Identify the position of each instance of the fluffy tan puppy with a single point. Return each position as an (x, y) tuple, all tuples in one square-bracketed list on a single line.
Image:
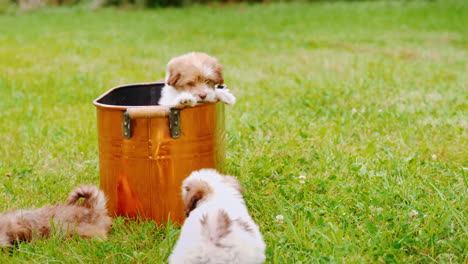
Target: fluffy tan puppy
[(193, 78), (84, 213)]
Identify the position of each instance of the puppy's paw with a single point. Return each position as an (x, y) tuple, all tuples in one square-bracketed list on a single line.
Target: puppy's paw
[(186, 99), (225, 96)]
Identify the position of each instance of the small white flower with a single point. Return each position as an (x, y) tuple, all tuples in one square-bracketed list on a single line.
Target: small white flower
[(380, 110), (279, 218), (302, 182), (377, 210), (363, 110), (353, 111), (302, 177), (434, 156), (413, 213)]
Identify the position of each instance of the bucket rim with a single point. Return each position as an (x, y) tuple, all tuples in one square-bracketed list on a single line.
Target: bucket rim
[(125, 107)]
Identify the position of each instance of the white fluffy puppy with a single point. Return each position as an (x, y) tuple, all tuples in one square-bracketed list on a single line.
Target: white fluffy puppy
[(218, 228), (193, 78)]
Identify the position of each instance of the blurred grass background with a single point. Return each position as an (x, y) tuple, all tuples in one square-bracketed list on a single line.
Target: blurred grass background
[(368, 100), (27, 5)]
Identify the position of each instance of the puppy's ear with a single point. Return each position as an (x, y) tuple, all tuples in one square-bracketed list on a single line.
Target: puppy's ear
[(196, 191), (173, 78), (192, 201), (233, 182), (218, 74)]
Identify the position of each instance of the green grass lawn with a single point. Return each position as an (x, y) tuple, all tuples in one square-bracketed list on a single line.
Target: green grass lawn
[(367, 100)]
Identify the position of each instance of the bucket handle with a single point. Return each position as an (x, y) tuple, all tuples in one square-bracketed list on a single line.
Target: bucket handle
[(151, 112), (148, 111)]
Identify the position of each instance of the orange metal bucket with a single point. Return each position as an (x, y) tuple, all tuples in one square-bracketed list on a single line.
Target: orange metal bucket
[(147, 150)]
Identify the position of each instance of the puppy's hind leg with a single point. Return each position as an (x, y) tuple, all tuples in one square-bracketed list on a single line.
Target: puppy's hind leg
[(91, 231)]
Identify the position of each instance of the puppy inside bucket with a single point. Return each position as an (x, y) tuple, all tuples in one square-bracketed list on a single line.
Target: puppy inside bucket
[(194, 77)]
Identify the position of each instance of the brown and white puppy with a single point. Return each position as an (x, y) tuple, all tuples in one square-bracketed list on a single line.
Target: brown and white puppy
[(84, 213), (193, 78), (218, 228)]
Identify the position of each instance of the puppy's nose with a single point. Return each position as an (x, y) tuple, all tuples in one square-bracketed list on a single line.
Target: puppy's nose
[(202, 96)]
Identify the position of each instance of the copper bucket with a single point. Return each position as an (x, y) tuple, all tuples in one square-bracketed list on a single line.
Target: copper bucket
[(146, 150)]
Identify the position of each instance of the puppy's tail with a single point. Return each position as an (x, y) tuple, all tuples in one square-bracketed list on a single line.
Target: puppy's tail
[(88, 196), (216, 226)]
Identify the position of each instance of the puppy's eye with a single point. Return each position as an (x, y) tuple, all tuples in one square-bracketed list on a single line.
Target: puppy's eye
[(210, 82), (191, 84)]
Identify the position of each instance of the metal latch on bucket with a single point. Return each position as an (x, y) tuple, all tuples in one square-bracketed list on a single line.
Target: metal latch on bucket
[(174, 122), (150, 112), (127, 125)]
